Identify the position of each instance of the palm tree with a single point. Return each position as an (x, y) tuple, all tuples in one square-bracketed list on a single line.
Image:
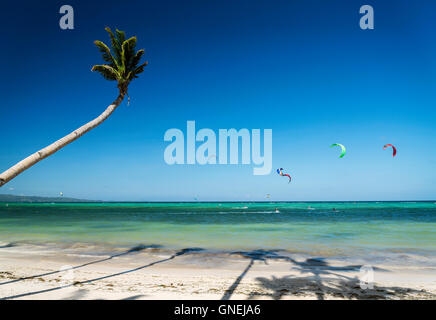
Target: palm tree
[(122, 66)]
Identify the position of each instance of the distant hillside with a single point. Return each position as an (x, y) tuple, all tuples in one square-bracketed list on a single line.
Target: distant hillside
[(28, 199)]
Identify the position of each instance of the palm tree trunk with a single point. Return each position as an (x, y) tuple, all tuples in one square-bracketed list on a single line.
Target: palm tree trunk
[(14, 171)]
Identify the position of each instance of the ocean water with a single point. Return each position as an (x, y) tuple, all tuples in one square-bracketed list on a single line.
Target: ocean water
[(327, 229)]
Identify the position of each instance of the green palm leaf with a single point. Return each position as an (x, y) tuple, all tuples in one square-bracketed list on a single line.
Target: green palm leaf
[(136, 58), (128, 52), (139, 69), (106, 71), (105, 52), (121, 35), (116, 46)]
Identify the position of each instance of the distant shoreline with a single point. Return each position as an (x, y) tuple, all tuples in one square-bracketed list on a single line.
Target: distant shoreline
[(8, 198)]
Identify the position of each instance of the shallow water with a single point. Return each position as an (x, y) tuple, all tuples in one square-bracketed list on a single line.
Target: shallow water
[(327, 229)]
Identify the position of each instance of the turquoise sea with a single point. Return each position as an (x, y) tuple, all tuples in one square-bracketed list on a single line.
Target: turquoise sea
[(328, 229)]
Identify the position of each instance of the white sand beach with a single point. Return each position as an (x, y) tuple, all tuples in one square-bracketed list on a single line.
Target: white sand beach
[(41, 272)]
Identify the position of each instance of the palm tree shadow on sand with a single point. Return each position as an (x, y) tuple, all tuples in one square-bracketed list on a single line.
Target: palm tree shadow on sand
[(177, 254), (343, 289), (137, 248), (255, 255), (322, 280)]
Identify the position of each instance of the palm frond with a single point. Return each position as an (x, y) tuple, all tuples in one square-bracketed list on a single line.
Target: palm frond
[(136, 59), (121, 35), (116, 45), (128, 52), (140, 69), (107, 72), (105, 52)]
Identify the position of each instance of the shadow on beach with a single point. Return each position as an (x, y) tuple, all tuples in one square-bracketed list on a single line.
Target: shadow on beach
[(8, 245), (318, 279), (322, 281), (322, 289), (134, 249), (131, 250)]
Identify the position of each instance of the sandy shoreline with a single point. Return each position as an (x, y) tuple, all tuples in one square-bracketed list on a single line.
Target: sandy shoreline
[(28, 272)]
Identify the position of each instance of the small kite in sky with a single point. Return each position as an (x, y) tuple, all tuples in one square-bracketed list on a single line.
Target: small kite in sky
[(394, 150), (342, 149), (280, 172)]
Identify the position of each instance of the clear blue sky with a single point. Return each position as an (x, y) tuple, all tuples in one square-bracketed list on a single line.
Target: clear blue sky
[(301, 68)]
